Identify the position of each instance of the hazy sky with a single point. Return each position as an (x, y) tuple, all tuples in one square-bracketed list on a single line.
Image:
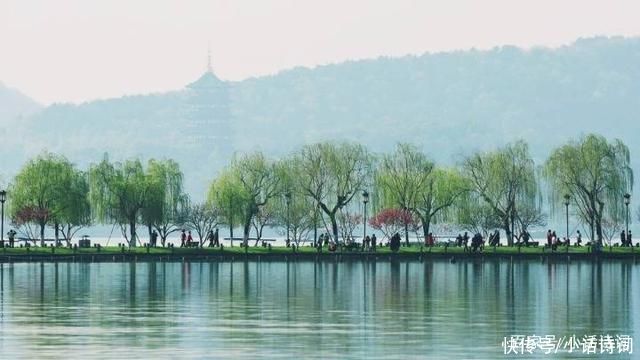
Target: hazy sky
[(76, 50)]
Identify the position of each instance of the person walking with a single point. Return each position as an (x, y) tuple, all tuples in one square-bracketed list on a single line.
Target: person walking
[(209, 238), (629, 242), (623, 238), (578, 238), (549, 238), (189, 239), (153, 239), (374, 240), (183, 238)]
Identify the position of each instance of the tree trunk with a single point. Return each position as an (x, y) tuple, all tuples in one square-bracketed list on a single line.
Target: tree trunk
[(42, 234), (246, 231), (315, 232), (132, 241), (426, 225), (56, 231), (599, 221), (334, 226), (507, 230), (406, 234), (67, 236)]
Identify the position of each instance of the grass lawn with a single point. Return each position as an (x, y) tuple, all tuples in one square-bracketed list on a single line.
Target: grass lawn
[(114, 250)]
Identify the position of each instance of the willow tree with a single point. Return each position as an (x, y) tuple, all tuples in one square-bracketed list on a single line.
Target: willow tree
[(48, 190), (118, 192), (595, 174), (228, 196), (475, 215), (255, 180), (293, 209), (437, 197), (201, 218), (402, 179), (73, 211), (167, 206), (331, 174), (505, 180), (409, 180)]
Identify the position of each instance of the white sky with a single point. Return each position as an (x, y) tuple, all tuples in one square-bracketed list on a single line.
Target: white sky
[(77, 50)]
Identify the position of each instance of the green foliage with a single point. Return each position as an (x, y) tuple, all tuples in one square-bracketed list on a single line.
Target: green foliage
[(331, 174), (167, 204), (477, 216), (407, 179), (595, 174), (248, 184), (202, 218), (119, 191), (402, 177), (505, 180), (52, 191), (299, 211), (228, 196)]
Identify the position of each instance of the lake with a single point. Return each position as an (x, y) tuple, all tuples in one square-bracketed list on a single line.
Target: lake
[(354, 309)]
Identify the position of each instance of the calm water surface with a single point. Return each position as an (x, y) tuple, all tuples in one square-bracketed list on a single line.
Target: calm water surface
[(395, 310)]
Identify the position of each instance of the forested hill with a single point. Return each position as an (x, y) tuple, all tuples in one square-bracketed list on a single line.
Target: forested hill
[(449, 103), (14, 108)]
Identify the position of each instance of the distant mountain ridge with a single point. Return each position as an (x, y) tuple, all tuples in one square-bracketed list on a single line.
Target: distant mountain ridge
[(448, 103), (15, 107)]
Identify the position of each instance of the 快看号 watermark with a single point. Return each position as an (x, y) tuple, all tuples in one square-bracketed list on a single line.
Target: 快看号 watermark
[(551, 344)]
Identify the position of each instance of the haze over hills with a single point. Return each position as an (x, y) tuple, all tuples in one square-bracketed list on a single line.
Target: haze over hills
[(14, 108), (447, 103)]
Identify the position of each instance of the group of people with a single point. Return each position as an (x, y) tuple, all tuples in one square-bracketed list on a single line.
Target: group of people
[(553, 240), (625, 238), (477, 241), (370, 243), (212, 237), (462, 240)]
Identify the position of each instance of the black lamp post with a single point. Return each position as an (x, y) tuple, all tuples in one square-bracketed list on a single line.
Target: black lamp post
[(627, 201), (3, 198), (287, 198), (566, 205), (365, 200)]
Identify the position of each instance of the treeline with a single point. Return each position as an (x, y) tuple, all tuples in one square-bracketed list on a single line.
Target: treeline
[(324, 186)]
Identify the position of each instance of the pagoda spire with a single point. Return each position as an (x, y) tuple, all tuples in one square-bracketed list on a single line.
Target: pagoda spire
[(209, 67)]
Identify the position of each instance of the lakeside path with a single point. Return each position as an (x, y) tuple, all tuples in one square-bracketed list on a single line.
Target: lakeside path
[(414, 253)]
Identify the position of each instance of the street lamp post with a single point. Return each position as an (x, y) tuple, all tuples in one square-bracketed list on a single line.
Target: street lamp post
[(365, 200), (3, 198), (287, 197), (627, 201), (231, 218), (566, 205)]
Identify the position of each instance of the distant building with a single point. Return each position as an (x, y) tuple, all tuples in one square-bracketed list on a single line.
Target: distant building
[(209, 120)]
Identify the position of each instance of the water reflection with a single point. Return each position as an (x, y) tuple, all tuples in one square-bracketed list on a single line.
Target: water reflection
[(305, 309)]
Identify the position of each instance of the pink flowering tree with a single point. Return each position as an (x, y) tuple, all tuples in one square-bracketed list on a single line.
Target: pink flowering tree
[(390, 221)]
